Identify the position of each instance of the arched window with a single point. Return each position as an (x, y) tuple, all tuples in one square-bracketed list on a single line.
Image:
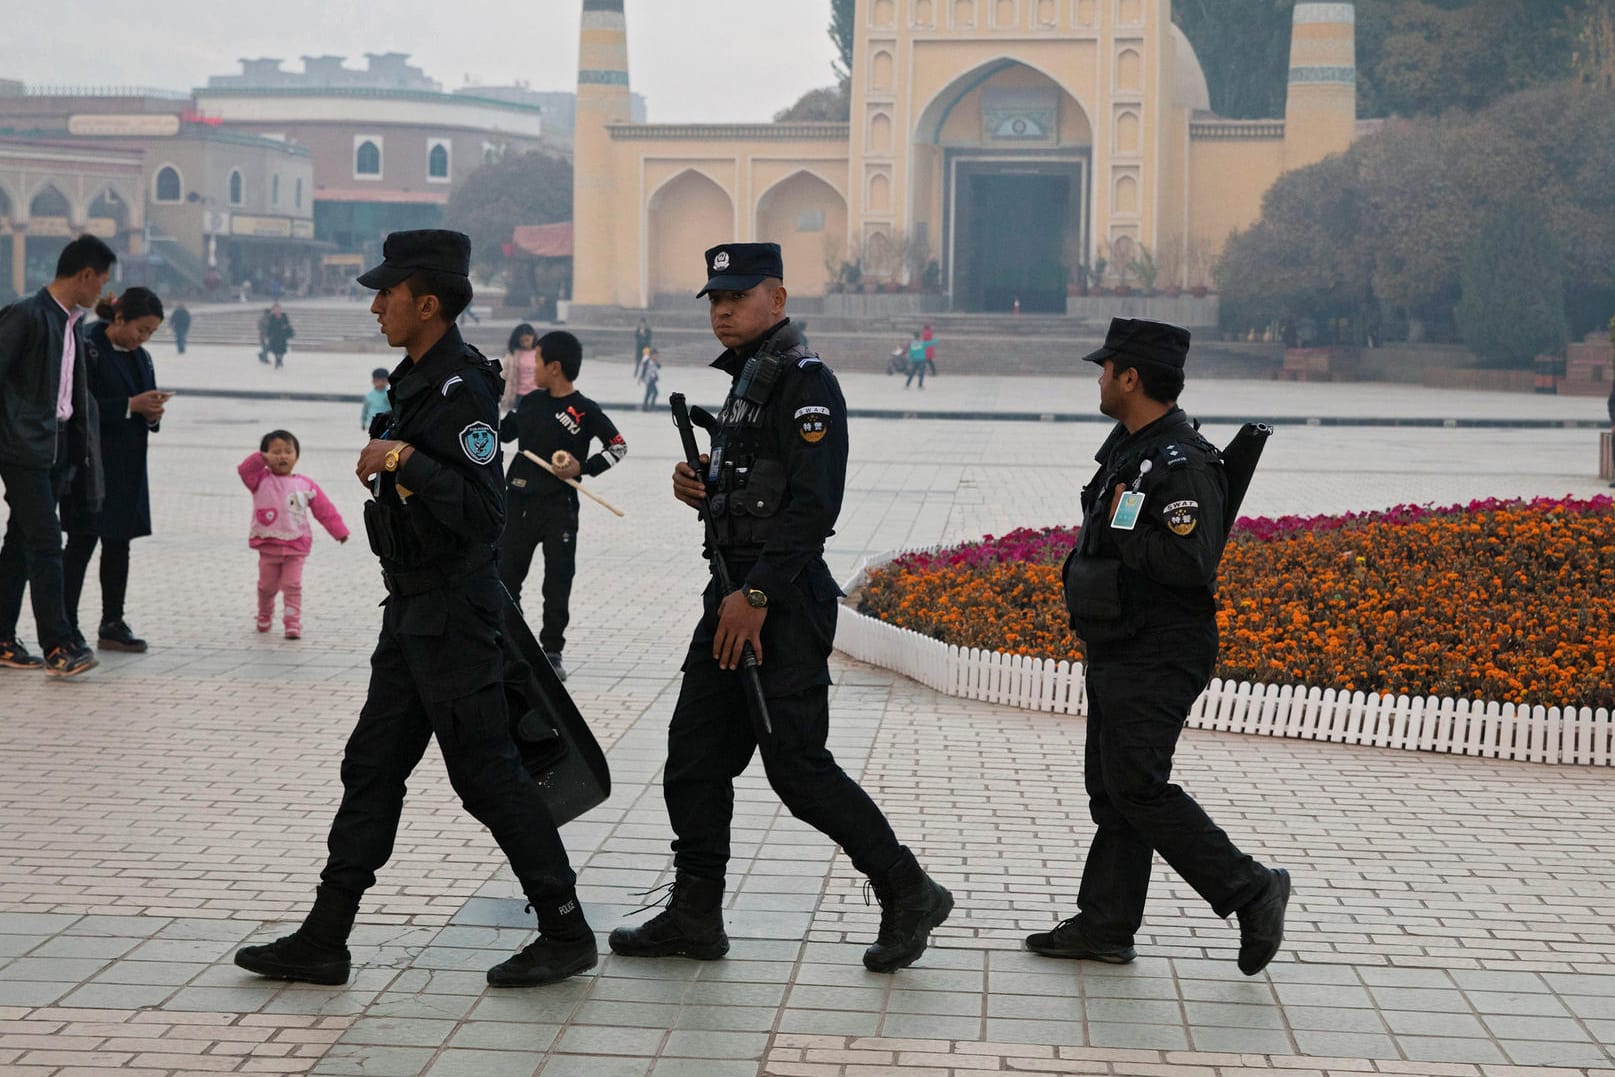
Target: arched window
[(168, 185), (437, 161), (367, 158), (236, 195), (274, 189)]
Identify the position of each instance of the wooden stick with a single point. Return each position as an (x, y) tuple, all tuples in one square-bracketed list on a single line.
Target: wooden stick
[(575, 484)]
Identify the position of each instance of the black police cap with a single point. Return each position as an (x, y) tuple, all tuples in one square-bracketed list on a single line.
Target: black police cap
[(406, 253), (1143, 342), (736, 267)]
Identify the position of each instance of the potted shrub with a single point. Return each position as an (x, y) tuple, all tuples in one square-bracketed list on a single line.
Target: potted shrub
[(1199, 291)]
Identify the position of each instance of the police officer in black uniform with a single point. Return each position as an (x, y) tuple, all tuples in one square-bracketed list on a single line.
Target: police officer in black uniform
[(775, 479), (1141, 589), (438, 505)]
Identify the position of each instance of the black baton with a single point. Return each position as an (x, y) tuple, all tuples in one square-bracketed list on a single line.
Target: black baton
[(748, 657)]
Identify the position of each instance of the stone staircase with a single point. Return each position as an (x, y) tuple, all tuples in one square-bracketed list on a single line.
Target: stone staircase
[(966, 343)]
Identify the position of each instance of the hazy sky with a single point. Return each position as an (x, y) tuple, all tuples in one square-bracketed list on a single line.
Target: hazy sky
[(694, 60)]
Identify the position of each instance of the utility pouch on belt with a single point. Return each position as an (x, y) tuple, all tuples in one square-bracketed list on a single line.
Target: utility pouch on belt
[(1093, 588), (381, 525)]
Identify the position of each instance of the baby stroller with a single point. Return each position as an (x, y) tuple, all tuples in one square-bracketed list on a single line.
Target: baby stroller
[(897, 362)]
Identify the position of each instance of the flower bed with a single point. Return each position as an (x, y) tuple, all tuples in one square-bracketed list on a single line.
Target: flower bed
[(1496, 600)]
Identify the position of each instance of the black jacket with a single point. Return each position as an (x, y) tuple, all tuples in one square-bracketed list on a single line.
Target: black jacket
[(446, 405), (1163, 570), (541, 424), (115, 377), (31, 332), (774, 522)]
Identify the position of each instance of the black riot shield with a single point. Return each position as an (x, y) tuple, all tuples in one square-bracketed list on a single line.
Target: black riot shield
[(555, 743), (1239, 460)]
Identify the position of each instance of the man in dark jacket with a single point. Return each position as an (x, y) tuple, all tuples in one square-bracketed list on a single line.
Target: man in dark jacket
[(1141, 587), (49, 434), (438, 668), (773, 485)]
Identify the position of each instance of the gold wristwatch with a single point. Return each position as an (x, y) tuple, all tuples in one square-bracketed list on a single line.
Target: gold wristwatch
[(391, 462), (757, 600)]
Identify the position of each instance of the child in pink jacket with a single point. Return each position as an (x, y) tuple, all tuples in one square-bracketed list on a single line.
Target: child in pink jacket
[(280, 532)]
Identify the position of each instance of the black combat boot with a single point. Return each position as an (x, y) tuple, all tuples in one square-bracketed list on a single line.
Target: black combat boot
[(564, 947), (317, 952), (1261, 923), (911, 905), (690, 926), (1068, 939)]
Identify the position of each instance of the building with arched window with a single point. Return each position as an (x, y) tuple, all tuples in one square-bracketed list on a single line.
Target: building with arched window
[(389, 145), (996, 151)]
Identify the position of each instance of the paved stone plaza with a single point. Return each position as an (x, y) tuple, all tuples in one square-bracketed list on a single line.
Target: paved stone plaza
[(1451, 916)]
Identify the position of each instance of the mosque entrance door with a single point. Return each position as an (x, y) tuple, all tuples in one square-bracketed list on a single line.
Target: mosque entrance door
[(1013, 227)]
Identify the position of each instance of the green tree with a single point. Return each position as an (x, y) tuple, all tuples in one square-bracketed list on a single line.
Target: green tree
[(827, 104), (1244, 49), (1305, 257), (529, 188), (1387, 224), (1414, 57), (843, 28), (1513, 304)]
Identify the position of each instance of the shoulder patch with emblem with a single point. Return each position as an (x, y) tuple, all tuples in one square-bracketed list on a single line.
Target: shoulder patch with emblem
[(813, 422), (1182, 517), (480, 443)]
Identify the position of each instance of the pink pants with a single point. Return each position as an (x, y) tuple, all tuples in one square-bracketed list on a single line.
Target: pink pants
[(282, 572)]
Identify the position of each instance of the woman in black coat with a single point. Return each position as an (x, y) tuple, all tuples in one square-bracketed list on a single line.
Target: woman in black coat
[(124, 384)]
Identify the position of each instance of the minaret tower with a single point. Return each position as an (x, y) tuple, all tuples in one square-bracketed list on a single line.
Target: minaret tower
[(1320, 112), (602, 99)]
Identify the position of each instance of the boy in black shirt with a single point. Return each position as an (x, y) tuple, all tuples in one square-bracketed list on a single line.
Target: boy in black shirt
[(555, 419)]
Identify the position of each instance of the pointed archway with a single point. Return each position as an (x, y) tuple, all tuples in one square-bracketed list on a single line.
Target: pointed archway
[(1002, 162), (688, 214), (808, 219)]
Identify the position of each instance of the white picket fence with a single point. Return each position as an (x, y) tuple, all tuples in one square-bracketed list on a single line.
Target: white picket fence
[(1423, 723)]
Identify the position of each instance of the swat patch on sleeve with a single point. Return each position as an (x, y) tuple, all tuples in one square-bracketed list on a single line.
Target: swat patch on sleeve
[(1182, 517), (813, 422), (480, 442)]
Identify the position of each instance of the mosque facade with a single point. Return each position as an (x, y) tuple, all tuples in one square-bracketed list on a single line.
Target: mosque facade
[(996, 150)]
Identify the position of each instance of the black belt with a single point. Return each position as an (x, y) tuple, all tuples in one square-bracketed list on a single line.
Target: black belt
[(419, 581)]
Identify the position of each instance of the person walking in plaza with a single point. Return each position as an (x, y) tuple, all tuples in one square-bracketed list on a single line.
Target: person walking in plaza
[(50, 437), (180, 323), (651, 375), (281, 505), (556, 423), (642, 343), (518, 366), (438, 668), (781, 456), (375, 400), (928, 335), (916, 361), (124, 384), (1141, 589), (278, 333)]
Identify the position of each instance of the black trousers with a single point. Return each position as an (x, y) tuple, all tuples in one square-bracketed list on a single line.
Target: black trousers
[(114, 574), (31, 553), (436, 672), (550, 523), (713, 735), (1139, 695)]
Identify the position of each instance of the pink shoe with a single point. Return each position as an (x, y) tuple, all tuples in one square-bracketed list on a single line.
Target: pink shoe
[(294, 633), (264, 626)]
